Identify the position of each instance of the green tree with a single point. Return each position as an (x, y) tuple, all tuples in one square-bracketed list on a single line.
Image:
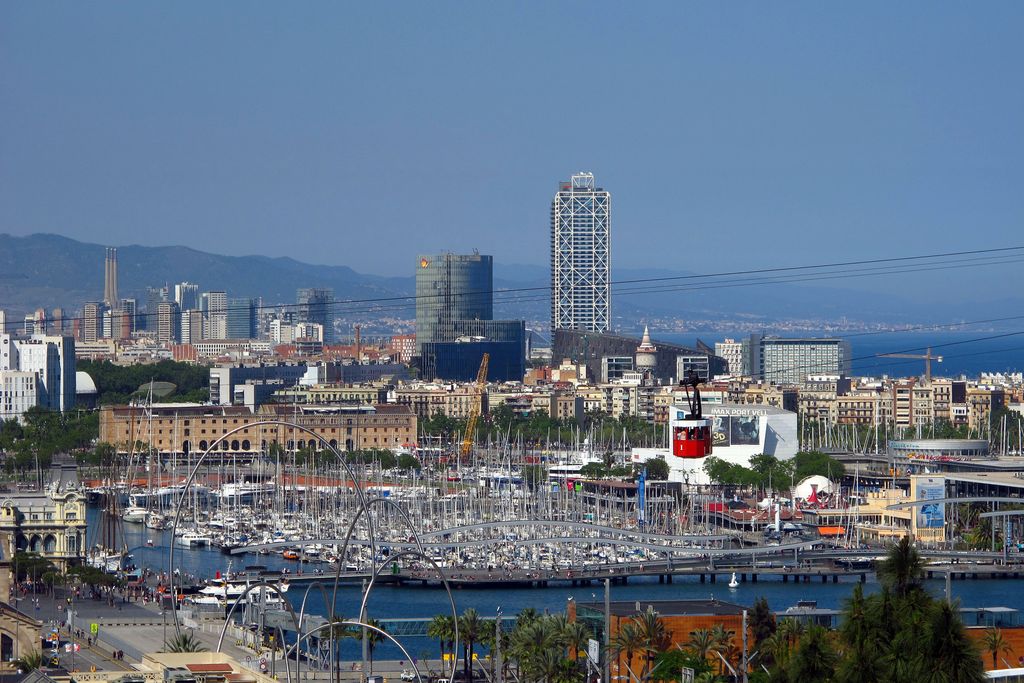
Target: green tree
[(653, 635), (947, 649), (863, 638), (995, 644), (669, 663), (30, 661), (577, 635), (815, 463), (184, 641), (902, 570), (471, 629), (762, 621), (702, 643), (627, 641), (441, 628), (31, 566), (373, 639), (657, 469), (408, 462), (815, 658)]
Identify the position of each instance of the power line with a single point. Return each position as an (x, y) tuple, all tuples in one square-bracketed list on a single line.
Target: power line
[(685, 282)]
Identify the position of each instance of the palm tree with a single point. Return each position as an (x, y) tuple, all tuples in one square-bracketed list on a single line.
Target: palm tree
[(723, 643), (627, 640), (577, 634), (994, 643), (815, 659), (441, 629), (653, 635), (30, 661), (538, 648), (701, 643), (775, 649), (791, 630), (471, 628), (373, 638), (903, 568), (184, 641), (864, 639), (947, 648)]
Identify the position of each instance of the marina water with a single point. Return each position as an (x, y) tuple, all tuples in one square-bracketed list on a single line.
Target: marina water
[(398, 602)]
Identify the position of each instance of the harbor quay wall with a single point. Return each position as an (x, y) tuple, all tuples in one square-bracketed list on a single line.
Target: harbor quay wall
[(183, 429)]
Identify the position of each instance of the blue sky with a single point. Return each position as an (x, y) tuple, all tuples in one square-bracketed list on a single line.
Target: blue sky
[(730, 134)]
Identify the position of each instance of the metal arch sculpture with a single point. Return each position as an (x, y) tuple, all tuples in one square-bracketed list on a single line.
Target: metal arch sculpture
[(363, 507), (302, 607), (244, 595), (376, 629), (411, 553), (419, 553), (369, 589), (348, 539), (195, 470)]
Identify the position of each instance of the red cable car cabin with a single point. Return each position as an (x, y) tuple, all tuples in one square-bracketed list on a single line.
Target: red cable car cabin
[(691, 438)]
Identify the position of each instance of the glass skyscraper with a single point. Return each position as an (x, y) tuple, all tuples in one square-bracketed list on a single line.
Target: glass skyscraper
[(315, 305), (580, 256), (241, 318), (449, 288)]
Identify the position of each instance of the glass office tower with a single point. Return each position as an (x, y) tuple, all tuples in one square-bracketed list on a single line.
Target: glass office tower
[(449, 288)]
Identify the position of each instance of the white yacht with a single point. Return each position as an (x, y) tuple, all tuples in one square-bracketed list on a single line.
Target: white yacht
[(134, 514), (193, 539)]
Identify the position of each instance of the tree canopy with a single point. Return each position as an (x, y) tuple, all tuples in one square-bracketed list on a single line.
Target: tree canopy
[(117, 384)]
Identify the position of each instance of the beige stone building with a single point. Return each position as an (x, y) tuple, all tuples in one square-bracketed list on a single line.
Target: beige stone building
[(19, 633), (181, 428), (326, 394), (50, 522), (456, 401)]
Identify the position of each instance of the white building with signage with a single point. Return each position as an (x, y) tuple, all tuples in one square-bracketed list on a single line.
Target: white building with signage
[(738, 433)]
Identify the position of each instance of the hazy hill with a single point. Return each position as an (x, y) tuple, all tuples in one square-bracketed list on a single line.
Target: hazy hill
[(50, 270)]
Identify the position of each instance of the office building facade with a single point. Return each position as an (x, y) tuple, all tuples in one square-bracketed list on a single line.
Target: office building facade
[(50, 361), (241, 319), (316, 305), (214, 306), (779, 360), (581, 256), (92, 321), (186, 295), (451, 288), (168, 324)]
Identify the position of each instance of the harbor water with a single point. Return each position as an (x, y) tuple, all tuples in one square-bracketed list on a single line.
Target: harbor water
[(415, 601)]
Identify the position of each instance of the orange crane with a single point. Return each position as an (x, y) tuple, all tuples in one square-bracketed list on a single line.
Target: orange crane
[(926, 357), (474, 412)]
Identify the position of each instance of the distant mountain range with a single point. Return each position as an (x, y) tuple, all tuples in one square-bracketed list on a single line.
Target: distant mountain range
[(45, 270)]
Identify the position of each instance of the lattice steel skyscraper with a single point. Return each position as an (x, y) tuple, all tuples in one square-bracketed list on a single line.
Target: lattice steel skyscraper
[(580, 256)]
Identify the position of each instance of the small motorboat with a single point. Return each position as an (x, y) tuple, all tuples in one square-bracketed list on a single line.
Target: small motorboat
[(733, 583)]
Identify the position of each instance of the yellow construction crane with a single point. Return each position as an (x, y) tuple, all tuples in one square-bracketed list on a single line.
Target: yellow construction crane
[(474, 412), (926, 357)]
